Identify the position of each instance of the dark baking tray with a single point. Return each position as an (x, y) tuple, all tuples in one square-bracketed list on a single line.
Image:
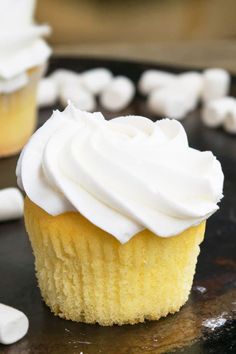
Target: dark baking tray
[(183, 332)]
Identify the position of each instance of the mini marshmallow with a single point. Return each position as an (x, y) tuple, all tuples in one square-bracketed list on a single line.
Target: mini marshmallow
[(154, 79), (216, 84), (11, 204), (13, 324), (47, 93), (191, 81), (79, 96), (118, 94), (96, 80), (190, 85), (229, 123), (64, 77), (215, 112), (169, 103)]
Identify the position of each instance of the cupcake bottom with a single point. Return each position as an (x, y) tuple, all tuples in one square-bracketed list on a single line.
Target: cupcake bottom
[(86, 275), (18, 115)]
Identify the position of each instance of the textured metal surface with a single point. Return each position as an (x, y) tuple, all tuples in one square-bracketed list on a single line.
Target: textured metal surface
[(185, 332)]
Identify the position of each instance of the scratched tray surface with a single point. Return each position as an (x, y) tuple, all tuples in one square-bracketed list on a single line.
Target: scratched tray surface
[(206, 324)]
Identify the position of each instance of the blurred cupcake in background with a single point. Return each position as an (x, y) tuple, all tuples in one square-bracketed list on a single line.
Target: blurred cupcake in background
[(23, 55)]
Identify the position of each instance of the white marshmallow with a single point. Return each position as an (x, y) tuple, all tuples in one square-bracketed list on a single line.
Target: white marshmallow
[(96, 80), (168, 103), (216, 84), (79, 96), (118, 94), (13, 324), (47, 93), (190, 85), (64, 77), (215, 112), (191, 81), (154, 79), (11, 204), (229, 123)]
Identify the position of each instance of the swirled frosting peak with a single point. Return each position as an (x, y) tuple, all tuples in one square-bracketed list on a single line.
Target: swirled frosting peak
[(123, 175)]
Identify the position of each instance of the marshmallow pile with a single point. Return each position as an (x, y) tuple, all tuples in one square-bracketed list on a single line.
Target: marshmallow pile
[(168, 95), (113, 93), (171, 95), (220, 112), (218, 108), (175, 95)]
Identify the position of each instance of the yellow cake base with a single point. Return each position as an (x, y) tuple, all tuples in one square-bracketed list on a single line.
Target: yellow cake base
[(18, 115), (86, 275)]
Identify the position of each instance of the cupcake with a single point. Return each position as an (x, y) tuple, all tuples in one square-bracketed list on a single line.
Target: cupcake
[(23, 55), (115, 212)]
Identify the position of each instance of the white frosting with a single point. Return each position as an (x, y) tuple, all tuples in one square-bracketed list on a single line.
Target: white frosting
[(123, 175), (21, 47), (14, 84)]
